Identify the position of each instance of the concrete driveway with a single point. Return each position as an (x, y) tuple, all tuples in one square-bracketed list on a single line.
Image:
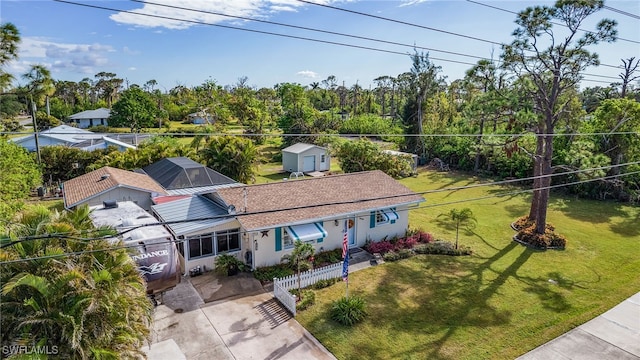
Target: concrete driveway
[(243, 327)]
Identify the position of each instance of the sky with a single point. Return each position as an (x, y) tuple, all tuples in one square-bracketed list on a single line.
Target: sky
[(183, 47)]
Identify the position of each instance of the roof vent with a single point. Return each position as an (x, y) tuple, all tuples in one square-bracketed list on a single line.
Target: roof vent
[(104, 176), (110, 204)]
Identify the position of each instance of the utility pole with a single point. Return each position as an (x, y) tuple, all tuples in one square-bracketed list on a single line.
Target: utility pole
[(35, 128)]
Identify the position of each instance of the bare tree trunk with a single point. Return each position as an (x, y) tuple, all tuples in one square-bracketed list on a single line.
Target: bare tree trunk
[(545, 183), (537, 172)]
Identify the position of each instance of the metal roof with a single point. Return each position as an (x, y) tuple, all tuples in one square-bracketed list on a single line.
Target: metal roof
[(194, 207), (300, 148), (182, 173), (201, 189), (63, 133)]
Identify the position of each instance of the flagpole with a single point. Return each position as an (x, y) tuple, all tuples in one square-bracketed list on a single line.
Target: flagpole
[(345, 256)]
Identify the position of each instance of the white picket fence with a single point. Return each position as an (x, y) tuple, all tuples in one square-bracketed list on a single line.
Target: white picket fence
[(281, 286)]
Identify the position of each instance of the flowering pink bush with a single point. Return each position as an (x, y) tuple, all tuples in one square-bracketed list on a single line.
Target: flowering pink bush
[(381, 247), (425, 237)]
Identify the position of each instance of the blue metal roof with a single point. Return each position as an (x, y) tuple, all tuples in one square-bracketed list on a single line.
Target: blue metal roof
[(194, 207)]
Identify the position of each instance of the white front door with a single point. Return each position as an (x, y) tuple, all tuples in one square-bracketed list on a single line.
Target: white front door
[(351, 230), (309, 163)]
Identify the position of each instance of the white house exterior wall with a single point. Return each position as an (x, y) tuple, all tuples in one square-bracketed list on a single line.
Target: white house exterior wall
[(86, 123), (267, 255), (208, 262), (142, 198), (295, 162)]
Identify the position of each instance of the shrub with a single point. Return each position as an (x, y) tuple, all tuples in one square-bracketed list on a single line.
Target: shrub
[(405, 253), (228, 265), (348, 311), (441, 247), (328, 257), (267, 273), (308, 299), (529, 236), (391, 256), (381, 247), (425, 237), (321, 284), (522, 222)]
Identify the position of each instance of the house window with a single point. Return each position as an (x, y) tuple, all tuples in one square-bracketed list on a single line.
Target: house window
[(200, 245), (228, 240), (381, 218), (322, 158), (287, 239)]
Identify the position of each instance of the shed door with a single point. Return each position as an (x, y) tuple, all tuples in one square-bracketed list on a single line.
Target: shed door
[(309, 163)]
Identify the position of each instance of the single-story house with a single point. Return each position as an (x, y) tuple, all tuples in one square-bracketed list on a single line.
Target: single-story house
[(214, 230), (305, 158), (200, 117), (413, 157), (90, 118), (260, 223), (181, 175), (110, 184), (64, 135)]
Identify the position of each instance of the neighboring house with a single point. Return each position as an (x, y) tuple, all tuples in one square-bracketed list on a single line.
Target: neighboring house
[(371, 205), (200, 117), (305, 158), (63, 135), (181, 175), (90, 118), (110, 184), (217, 230), (413, 157)]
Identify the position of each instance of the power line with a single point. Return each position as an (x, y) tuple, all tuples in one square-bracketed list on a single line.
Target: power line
[(307, 38), (271, 134), (511, 193), (415, 25), (621, 12), (314, 30), (241, 214), (257, 31), (342, 34), (554, 23)]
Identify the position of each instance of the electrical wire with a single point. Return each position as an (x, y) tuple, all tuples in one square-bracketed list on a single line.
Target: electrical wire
[(303, 38), (621, 12), (511, 193), (554, 23), (486, 135), (241, 214), (415, 25)]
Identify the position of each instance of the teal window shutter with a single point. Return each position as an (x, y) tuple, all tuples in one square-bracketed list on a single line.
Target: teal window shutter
[(372, 220), (278, 239), (320, 240)]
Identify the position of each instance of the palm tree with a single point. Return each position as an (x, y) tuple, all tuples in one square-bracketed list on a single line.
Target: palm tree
[(9, 40), (232, 156), (299, 258), (89, 305), (459, 218)]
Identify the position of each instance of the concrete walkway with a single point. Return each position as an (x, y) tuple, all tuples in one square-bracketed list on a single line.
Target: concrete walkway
[(614, 335)]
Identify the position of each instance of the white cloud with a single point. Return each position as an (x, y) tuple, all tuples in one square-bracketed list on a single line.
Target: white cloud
[(132, 68), (308, 74), (412, 2), (169, 17), (79, 58)]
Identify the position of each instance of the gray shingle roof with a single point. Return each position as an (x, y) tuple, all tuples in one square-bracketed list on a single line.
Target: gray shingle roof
[(300, 148), (299, 201)]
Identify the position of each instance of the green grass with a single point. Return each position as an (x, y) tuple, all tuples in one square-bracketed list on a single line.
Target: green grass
[(497, 303)]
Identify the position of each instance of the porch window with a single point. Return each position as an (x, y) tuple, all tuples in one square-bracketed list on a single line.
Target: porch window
[(200, 245), (381, 217), (228, 240)]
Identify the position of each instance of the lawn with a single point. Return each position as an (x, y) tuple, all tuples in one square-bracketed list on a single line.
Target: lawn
[(498, 303)]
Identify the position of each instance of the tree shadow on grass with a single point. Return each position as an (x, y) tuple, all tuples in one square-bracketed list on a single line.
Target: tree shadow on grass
[(630, 226), (592, 211), (468, 297)]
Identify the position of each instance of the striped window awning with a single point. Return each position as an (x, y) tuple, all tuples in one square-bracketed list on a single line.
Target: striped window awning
[(307, 232), (390, 214)]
